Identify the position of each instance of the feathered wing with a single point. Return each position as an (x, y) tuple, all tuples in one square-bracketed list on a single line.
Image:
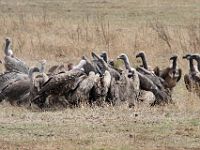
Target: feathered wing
[(14, 64), (8, 77)]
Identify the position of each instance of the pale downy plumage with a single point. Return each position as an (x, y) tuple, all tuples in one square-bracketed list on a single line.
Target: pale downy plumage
[(80, 65)]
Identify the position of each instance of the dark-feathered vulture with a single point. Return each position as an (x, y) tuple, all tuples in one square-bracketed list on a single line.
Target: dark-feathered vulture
[(101, 66), (144, 60), (171, 74)]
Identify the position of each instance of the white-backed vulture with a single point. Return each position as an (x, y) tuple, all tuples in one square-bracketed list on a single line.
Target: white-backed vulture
[(11, 62), (100, 89), (17, 90), (192, 79), (36, 83), (81, 94), (60, 83), (162, 96), (144, 60)]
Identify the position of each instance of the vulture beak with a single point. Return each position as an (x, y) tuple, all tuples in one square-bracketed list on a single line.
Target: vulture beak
[(186, 56), (119, 57), (173, 57), (139, 54)]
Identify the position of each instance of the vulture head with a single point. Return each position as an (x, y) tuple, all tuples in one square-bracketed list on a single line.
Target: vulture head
[(187, 56), (143, 57), (123, 57), (33, 70), (8, 40), (111, 62), (190, 58), (140, 54), (174, 57), (104, 56)]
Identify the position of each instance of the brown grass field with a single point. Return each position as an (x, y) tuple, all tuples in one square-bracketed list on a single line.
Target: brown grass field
[(61, 31)]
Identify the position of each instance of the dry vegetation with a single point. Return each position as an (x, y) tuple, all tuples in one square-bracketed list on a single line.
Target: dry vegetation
[(62, 31)]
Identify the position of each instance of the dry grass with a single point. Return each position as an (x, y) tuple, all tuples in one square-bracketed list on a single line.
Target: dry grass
[(100, 128), (62, 31)]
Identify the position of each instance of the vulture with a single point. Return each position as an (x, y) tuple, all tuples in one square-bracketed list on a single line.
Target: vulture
[(101, 66), (197, 58), (147, 84), (100, 90), (11, 62), (7, 50), (104, 56), (59, 85), (81, 94), (17, 89), (171, 74), (144, 68), (192, 79), (91, 89), (36, 81), (8, 77), (137, 79), (144, 61)]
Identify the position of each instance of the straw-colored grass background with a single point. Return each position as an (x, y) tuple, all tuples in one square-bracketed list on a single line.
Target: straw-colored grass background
[(61, 31)]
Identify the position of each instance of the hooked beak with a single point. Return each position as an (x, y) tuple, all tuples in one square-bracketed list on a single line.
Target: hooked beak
[(119, 57)]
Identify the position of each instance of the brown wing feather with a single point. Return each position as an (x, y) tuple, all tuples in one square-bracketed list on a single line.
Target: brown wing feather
[(164, 73)]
